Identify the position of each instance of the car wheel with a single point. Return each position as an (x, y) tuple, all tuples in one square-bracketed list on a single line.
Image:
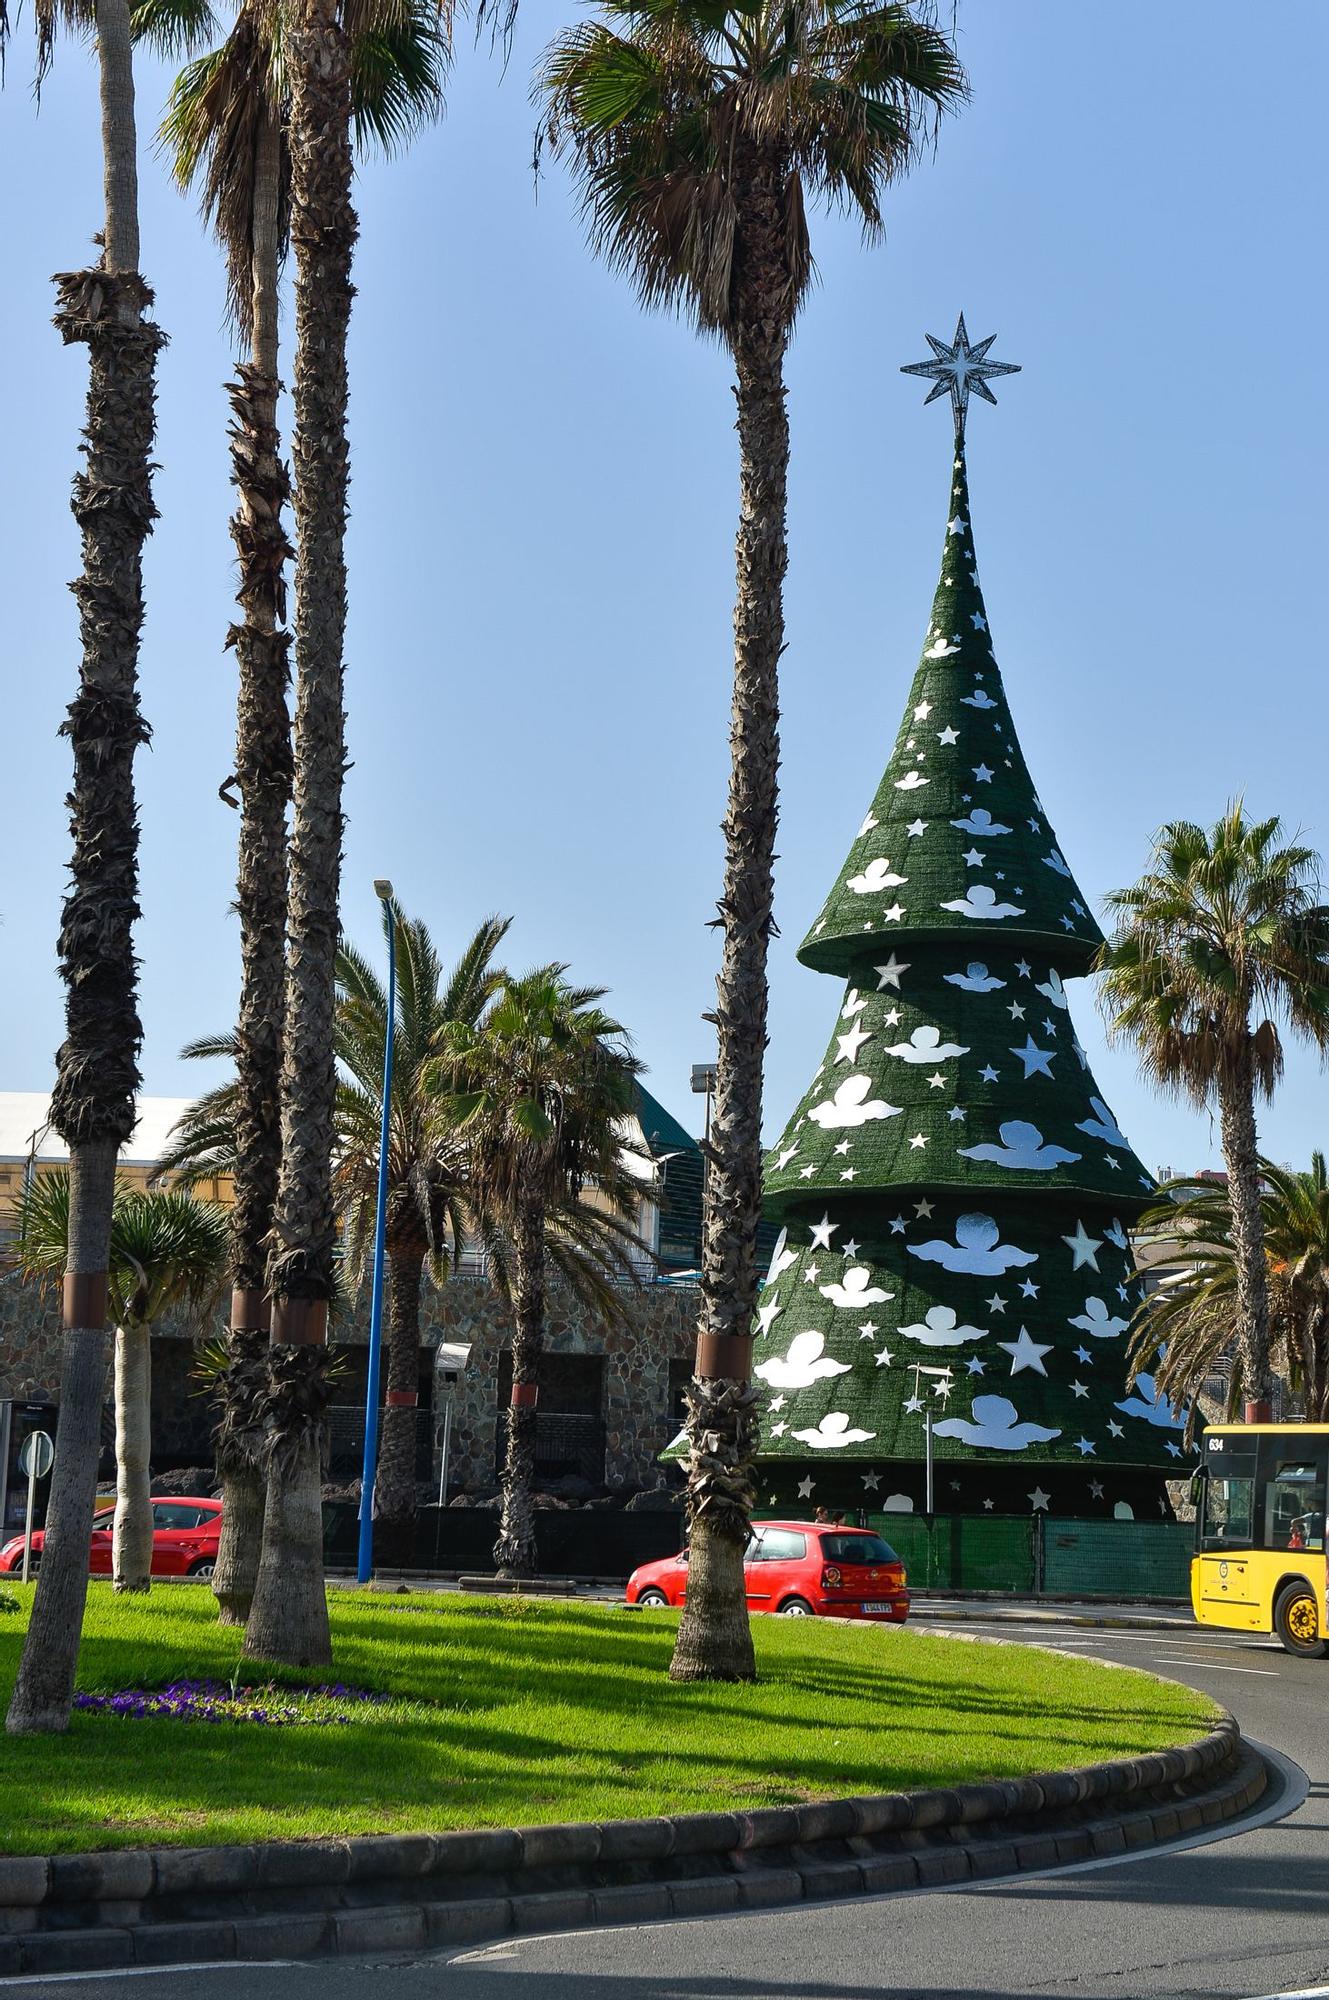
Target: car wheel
[(1297, 1622), (203, 1567), (654, 1600), (796, 1607)]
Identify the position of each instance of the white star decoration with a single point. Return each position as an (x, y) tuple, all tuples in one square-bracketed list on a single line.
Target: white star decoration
[(1025, 1353), (1083, 1247), (848, 1045), (889, 974), (822, 1233), (1037, 1062)]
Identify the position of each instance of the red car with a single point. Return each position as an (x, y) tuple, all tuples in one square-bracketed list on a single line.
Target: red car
[(802, 1569), (185, 1534)]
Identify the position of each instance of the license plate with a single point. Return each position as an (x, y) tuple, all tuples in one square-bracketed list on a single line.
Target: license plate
[(878, 1610)]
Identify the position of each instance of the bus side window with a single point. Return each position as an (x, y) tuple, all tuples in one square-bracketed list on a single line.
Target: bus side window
[(1293, 1508)]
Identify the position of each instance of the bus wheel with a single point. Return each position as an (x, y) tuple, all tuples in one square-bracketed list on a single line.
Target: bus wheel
[(1297, 1622)]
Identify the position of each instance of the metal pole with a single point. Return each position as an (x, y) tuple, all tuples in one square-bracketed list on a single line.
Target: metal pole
[(447, 1451), (365, 1568), (927, 1431), (32, 1503)]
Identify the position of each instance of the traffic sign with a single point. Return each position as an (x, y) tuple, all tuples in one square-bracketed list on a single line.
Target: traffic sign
[(36, 1454)]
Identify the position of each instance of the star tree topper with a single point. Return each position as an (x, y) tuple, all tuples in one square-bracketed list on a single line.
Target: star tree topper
[(960, 368)]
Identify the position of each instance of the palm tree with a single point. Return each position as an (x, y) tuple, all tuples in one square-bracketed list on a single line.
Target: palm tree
[(92, 1106), (428, 1207), (538, 1091), (167, 1251), (1185, 1330), (288, 1619), (427, 1172), (226, 131), (1222, 936), (698, 131)]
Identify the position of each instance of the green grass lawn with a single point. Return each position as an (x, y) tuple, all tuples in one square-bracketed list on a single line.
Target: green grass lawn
[(506, 1712)]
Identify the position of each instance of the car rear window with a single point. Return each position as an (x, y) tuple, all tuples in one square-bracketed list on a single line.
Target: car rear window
[(778, 1545), (857, 1549)]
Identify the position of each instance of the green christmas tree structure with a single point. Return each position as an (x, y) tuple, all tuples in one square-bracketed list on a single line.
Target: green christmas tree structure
[(953, 1191)]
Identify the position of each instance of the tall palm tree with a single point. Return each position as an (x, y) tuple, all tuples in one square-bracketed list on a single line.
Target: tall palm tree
[(1186, 1329), (167, 1251), (539, 1090), (226, 131), (427, 1171), (288, 1619), (92, 1107), (1224, 935), (698, 132)]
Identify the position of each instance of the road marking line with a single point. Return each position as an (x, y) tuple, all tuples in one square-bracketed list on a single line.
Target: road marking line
[(1302, 1993), (1213, 1666), (145, 1971)]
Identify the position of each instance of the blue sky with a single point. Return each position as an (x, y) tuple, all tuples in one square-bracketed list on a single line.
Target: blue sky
[(543, 511)]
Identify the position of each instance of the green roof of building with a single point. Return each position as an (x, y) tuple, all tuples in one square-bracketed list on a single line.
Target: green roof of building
[(661, 1131)]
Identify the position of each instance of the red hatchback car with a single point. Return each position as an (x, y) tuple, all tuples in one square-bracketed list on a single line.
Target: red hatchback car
[(802, 1569), (185, 1534)]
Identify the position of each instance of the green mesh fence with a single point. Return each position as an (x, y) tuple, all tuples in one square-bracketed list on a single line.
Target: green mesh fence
[(957, 1552), (1037, 1557), (1117, 1558)]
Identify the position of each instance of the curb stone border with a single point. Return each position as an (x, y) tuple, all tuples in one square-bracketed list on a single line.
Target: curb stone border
[(408, 1892)]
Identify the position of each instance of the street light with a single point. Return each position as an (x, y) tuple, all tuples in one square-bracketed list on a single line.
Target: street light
[(941, 1387), (369, 1473)]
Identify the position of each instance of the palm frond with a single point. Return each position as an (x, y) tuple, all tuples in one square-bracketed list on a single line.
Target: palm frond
[(683, 121)]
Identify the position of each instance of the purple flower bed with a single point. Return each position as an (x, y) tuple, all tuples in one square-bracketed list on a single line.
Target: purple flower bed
[(224, 1701)]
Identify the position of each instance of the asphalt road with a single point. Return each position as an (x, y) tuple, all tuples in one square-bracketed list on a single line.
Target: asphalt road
[(1245, 1915)]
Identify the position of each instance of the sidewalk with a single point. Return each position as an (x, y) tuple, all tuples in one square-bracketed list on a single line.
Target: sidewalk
[(1159, 1617), (1165, 1617)]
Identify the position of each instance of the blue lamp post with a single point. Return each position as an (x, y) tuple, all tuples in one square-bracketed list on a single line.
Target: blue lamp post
[(365, 1567)]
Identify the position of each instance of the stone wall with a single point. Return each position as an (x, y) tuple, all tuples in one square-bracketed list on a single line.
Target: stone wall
[(29, 1340), (659, 1327), (658, 1330)]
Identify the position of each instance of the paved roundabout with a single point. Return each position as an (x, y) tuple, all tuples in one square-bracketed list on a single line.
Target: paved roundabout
[(1245, 1914)]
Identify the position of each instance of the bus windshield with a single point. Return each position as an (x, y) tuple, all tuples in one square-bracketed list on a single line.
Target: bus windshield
[(1229, 1508), (1265, 1490)]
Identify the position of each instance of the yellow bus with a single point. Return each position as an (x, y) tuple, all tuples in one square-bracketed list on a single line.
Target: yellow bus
[(1259, 1562)]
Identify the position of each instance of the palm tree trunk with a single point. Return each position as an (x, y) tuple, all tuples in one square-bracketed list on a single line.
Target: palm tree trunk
[(1241, 1157), (289, 1618), (45, 1686), (515, 1550), (396, 1460), (263, 775), (244, 1481), (714, 1637), (92, 1106), (131, 1546)]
